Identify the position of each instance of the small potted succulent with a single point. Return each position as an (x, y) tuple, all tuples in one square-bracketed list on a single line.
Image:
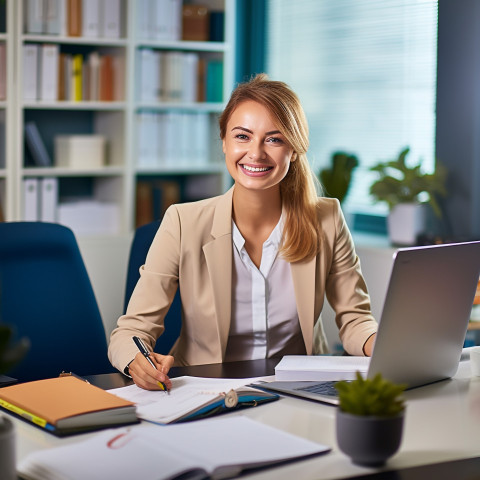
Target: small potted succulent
[(9, 356), (370, 419), (407, 190)]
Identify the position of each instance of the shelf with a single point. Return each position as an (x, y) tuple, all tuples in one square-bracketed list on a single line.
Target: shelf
[(196, 107), (106, 171), (182, 169), (97, 42), (194, 170), (83, 105), (473, 325), (220, 47)]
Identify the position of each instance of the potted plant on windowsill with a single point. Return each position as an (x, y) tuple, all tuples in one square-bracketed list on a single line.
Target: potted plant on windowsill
[(9, 356), (370, 419), (407, 191), (336, 178)]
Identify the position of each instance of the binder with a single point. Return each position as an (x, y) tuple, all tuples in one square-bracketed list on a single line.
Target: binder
[(110, 19), (49, 54), (90, 18), (34, 16), (30, 199), (54, 12), (30, 71), (49, 199)]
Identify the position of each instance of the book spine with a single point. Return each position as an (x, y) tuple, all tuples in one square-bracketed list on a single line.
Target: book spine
[(77, 75), (74, 18), (3, 72)]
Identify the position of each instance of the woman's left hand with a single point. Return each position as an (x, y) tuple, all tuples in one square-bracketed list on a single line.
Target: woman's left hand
[(368, 347)]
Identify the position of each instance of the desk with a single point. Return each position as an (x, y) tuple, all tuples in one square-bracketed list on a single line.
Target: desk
[(441, 436)]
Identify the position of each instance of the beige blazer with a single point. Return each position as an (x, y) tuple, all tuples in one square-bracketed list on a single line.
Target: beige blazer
[(193, 249)]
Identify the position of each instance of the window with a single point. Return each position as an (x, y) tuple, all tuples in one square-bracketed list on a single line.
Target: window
[(365, 71)]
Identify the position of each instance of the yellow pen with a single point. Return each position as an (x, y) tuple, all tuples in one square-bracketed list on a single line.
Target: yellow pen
[(143, 350)]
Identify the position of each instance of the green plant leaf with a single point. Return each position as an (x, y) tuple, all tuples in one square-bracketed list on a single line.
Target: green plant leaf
[(371, 397)]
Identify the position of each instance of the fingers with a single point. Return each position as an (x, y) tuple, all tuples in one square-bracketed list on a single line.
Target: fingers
[(147, 377)]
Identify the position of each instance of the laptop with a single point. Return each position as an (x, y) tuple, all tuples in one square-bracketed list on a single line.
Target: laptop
[(423, 323)]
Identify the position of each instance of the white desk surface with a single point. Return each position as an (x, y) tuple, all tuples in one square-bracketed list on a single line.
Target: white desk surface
[(442, 424)]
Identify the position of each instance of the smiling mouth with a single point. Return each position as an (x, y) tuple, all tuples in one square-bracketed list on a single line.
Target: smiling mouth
[(248, 168)]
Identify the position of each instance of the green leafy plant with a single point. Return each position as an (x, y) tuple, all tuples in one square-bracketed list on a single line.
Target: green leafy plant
[(371, 397), (336, 179), (400, 183)]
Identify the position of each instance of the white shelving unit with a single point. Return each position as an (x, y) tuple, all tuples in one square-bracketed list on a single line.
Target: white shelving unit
[(115, 182)]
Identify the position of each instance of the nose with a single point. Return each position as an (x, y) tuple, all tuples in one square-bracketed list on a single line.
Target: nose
[(256, 151)]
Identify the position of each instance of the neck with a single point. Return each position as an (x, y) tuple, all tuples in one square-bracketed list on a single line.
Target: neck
[(256, 208)]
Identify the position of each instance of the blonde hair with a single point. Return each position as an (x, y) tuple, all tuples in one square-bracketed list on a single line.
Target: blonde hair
[(301, 236)]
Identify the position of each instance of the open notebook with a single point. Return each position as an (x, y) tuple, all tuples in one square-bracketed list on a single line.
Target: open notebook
[(423, 324), (215, 448)]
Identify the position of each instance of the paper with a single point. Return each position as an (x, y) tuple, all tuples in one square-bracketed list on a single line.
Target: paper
[(320, 367), (187, 393), (223, 447)]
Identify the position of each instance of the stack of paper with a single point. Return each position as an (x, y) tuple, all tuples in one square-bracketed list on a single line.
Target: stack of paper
[(320, 368)]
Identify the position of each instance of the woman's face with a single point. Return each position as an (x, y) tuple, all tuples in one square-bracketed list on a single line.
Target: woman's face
[(256, 153)]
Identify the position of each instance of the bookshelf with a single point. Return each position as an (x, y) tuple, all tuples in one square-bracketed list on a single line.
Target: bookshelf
[(101, 200)]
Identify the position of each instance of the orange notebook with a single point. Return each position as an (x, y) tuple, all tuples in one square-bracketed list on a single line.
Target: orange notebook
[(66, 405)]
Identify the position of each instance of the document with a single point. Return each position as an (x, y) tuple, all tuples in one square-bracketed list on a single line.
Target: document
[(193, 397), (320, 367), (216, 448)]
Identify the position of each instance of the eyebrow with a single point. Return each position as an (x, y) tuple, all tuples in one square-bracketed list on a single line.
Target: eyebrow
[(249, 131)]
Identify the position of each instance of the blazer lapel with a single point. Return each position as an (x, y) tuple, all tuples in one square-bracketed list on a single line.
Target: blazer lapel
[(303, 274), (218, 255)]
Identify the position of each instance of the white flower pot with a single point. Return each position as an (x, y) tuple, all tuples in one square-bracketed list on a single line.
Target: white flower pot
[(7, 449), (405, 221)]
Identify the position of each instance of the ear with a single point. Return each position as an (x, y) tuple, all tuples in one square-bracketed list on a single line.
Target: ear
[(293, 157)]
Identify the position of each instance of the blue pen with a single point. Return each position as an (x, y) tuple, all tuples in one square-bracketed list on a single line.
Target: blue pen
[(143, 350)]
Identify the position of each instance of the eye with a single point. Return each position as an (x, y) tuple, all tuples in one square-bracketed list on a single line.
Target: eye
[(241, 136), (274, 140)]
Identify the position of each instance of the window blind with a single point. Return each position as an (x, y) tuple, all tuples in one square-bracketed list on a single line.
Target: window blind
[(365, 71)]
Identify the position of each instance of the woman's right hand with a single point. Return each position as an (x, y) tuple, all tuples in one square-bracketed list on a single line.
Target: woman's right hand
[(147, 377)]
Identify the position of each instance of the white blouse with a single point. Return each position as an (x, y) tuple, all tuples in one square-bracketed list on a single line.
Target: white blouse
[(264, 319)]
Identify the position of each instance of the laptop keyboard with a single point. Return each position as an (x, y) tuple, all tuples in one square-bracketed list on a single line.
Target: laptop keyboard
[(322, 388)]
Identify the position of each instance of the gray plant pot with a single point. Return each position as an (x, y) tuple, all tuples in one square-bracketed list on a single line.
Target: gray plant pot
[(7, 449), (369, 441)]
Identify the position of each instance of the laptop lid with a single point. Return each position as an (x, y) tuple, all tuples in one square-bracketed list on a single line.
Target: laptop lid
[(426, 312), (424, 320)]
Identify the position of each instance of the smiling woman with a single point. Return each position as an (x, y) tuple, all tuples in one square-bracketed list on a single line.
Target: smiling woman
[(253, 265)]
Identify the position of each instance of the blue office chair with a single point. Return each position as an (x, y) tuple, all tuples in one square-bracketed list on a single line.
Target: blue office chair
[(138, 253), (47, 297)]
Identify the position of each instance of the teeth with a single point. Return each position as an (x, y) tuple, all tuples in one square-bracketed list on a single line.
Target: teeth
[(255, 169)]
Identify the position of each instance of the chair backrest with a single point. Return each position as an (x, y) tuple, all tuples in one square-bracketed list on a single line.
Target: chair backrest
[(46, 296), (141, 242)]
